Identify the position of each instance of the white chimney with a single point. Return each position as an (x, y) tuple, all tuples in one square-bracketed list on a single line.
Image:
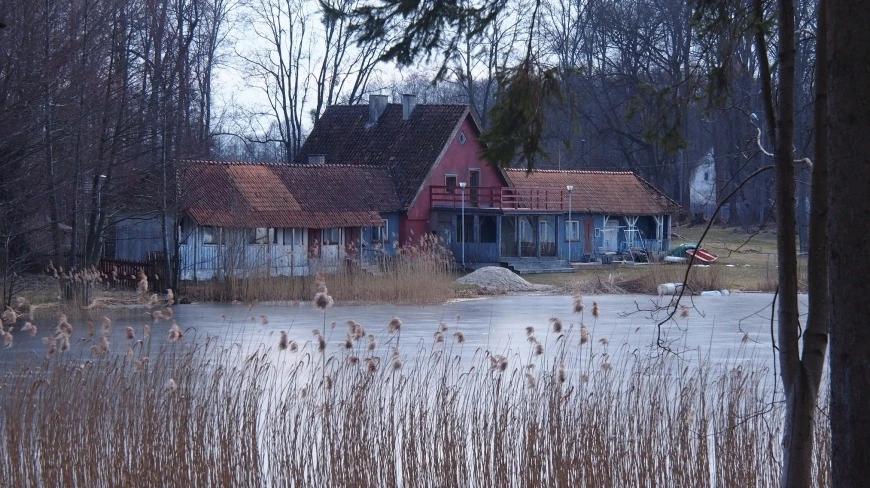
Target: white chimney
[(377, 105), (409, 101)]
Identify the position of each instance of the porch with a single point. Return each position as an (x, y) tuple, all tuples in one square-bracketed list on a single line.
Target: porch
[(537, 241), (498, 197)]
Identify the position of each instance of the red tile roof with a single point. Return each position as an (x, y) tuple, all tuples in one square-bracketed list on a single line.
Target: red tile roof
[(407, 148), (230, 194), (608, 192)]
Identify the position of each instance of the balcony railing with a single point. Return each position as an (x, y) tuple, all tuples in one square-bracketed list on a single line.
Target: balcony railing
[(504, 198)]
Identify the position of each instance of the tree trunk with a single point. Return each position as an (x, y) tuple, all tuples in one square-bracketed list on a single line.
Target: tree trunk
[(849, 228), (799, 393)]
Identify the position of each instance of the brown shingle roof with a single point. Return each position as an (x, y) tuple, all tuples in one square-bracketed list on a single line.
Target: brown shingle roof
[(408, 149), (229, 194), (609, 192)]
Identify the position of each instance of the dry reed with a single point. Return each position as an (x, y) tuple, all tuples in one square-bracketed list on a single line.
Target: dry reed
[(204, 412), (421, 273)]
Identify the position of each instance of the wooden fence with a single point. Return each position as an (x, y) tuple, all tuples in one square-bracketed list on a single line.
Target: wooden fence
[(122, 272)]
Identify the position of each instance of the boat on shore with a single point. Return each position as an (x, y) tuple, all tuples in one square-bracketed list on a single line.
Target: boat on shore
[(688, 250)]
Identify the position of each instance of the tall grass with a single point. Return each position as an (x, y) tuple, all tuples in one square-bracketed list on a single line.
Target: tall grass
[(421, 273), (648, 279), (565, 409)]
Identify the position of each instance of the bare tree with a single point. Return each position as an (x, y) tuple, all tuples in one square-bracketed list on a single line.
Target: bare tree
[(282, 67)]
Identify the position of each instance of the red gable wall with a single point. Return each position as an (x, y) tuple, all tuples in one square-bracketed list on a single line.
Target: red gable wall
[(457, 160)]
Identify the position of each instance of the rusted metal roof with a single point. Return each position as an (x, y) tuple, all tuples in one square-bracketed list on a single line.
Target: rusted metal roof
[(237, 194), (606, 192)]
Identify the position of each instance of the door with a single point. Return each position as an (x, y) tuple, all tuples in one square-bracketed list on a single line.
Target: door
[(509, 237), (528, 241), (609, 235), (474, 183), (547, 235), (588, 235), (331, 243)]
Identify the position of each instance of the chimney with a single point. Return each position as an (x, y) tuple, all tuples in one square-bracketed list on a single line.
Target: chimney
[(316, 159), (377, 105), (409, 101)]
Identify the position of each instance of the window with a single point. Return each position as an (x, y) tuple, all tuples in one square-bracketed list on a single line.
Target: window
[(381, 234), (211, 235), (260, 235), (488, 229), (462, 137), (572, 230), (450, 181), (294, 236), (547, 230), (474, 183), (331, 236), (547, 235), (466, 233)]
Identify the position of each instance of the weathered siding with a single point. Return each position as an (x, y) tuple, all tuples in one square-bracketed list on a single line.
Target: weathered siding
[(236, 257), (588, 239), (135, 237)]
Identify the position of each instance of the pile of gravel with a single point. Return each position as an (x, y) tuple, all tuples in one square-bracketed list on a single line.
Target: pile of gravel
[(494, 279)]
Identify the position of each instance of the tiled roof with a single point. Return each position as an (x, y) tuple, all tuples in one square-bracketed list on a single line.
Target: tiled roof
[(408, 149), (609, 192), (229, 194)]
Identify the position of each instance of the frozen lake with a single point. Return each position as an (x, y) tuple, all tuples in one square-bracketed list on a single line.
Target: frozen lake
[(721, 329)]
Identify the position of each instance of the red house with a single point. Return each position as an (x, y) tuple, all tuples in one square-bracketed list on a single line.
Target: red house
[(432, 155)]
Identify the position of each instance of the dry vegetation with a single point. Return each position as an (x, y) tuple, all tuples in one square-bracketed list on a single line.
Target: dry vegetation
[(568, 409), (422, 273), (747, 262)]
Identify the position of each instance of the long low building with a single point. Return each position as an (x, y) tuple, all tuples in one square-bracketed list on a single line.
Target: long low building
[(373, 178)]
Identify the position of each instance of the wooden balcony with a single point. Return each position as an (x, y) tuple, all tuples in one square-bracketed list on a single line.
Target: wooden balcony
[(497, 197)]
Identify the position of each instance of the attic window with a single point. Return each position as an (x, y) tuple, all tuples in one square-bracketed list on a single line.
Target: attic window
[(462, 137)]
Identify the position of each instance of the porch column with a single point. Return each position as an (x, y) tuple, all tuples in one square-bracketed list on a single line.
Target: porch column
[(498, 236)]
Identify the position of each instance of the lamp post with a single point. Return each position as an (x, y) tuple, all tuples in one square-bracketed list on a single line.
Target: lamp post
[(100, 183), (462, 223), (568, 227)]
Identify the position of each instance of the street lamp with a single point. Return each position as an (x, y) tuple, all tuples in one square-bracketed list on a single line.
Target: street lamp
[(570, 189), (462, 223)]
